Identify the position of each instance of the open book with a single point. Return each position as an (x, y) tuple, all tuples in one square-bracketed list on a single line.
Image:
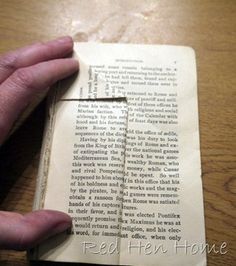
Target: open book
[(121, 157)]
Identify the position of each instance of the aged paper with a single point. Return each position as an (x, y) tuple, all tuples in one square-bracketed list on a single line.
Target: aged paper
[(125, 160)]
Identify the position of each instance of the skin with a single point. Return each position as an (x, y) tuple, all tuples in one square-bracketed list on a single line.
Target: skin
[(24, 74)]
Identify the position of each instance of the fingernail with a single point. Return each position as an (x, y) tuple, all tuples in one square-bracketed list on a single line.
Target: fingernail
[(64, 39), (75, 60), (75, 63), (61, 227)]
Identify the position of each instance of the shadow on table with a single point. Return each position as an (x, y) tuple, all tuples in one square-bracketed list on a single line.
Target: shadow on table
[(20, 149)]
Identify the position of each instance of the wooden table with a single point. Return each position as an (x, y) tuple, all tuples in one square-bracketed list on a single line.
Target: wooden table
[(208, 26)]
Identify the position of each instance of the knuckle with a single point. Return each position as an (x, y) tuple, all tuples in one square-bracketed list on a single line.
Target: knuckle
[(8, 61), (23, 77), (25, 237)]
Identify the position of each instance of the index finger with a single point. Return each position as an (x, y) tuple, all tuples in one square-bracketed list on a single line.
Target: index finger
[(23, 85), (34, 54)]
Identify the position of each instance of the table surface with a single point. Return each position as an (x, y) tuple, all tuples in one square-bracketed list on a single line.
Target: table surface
[(207, 26)]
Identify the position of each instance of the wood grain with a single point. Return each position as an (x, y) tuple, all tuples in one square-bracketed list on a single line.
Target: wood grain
[(208, 26)]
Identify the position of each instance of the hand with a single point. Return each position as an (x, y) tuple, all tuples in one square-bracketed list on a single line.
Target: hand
[(25, 73)]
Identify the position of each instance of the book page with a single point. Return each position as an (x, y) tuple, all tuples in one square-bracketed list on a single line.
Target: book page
[(125, 159)]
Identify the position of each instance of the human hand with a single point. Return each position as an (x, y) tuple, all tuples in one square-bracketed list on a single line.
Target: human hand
[(25, 73)]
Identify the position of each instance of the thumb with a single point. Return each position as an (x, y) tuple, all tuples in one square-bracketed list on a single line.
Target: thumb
[(22, 232)]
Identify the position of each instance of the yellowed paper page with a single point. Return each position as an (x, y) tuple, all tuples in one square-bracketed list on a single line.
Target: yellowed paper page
[(126, 143)]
